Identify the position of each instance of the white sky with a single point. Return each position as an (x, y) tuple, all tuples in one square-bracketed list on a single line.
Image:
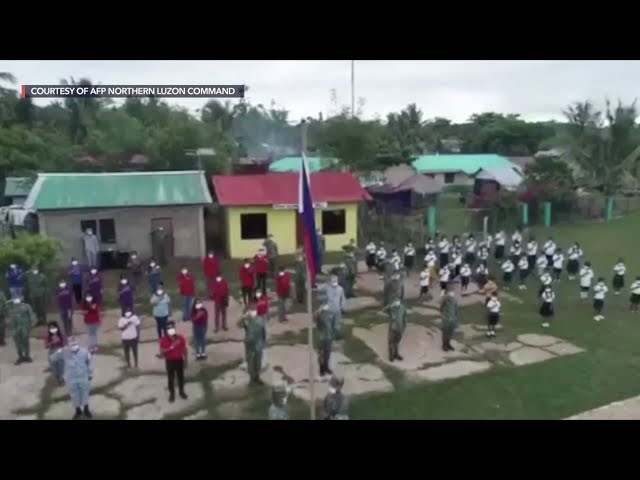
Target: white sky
[(537, 90)]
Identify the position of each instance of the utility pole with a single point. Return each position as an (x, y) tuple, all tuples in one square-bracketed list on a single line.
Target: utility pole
[(353, 89)]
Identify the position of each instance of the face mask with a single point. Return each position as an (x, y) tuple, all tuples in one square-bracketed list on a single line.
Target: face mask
[(89, 299), (133, 257), (93, 271), (89, 232), (160, 292), (16, 301), (184, 271), (12, 266), (127, 314), (198, 306), (281, 274), (332, 390), (258, 295), (246, 265), (35, 271), (53, 331), (324, 307), (218, 279), (75, 348), (334, 282), (74, 263), (124, 281), (253, 313), (62, 285), (211, 255), (171, 331)]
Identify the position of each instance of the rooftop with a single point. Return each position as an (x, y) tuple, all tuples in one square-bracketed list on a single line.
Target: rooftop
[(467, 163), (292, 164), (18, 186)]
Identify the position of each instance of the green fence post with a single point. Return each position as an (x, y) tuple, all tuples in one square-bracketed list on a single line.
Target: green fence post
[(431, 220), (547, 214), (609, 211), (525, 214)]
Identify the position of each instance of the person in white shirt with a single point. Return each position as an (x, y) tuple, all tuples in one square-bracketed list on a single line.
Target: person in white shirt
[(470, 250), (500, 240), (516, 237), (532, 252), (443, 247), (430, 244), (516, 252), (573, 264), (488, 240), (381, 256), (129, 326), (599, 291), (635, 295), (465, 275), (483, 252), (371, 255), (523, 269), (549, 249), (586, 277), (396, 261), (409, 257), (444, 276), (542, 264), (558, 259), (493, 317), (456, 243), (457, 264), (507, 272), (618, 277), (545, 281), (546, 309), (425, 279)]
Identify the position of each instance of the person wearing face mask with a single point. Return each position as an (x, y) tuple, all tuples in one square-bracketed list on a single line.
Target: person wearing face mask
[(91, 310), (37, 288), (91, 247), (334, 296), (15, 279), (21, 320), (173, 347), (199, 318), (247, 283), (278, 407), (160, 302), (129, 326), (325, 322), (187, 285), (136, 270), (283, 291), (54, 342), (262, 306), (255, 337), (75, 278), (65, 307), (78, 373), (220, 297), (154, 276), (3, 318), (211, 267), (125, 295), (272, 254), (300, 279), (94, 285), (336, 405), (261, 265)]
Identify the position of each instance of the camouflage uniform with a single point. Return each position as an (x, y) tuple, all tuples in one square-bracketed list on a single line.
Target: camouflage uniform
[(3, 317), (341, 272), (397, 325), (325, 323), (449, 310), (278, 407), (272, 255), (37, 289), (393, 289), (255, 337), (300, 280), (336, 405), (351, 272), (21, 319)]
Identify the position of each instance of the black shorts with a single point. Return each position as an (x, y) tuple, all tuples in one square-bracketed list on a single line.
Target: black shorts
[(493, 318), (584, 289), (546, 309), (573, 266), (598, 305), (408, 262), (444, 260), (618, 282), (465, 281), (470, 258), (635, 298), (499, 253), (524, 274), (557, 271), (443, 285), (371, 260), (507, 276), (424, 289)]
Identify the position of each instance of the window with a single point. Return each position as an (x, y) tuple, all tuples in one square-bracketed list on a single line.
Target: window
[(253, 226), (334, 222), (105, 229), (449, 177)]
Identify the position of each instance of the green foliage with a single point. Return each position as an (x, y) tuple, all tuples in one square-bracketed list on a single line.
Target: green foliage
[(29, 250)]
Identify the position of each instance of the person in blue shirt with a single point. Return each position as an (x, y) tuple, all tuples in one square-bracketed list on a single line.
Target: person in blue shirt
[(15, 279), (75, 279)]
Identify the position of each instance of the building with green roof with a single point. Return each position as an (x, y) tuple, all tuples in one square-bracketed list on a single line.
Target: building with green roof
[(16, 189), (458, 169), (123, 209), (292, 164)]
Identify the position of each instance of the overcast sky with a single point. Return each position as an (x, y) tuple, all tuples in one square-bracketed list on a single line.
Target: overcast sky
[(453, 89)]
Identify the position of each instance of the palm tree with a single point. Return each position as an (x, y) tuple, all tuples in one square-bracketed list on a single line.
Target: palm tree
[(83, 110)]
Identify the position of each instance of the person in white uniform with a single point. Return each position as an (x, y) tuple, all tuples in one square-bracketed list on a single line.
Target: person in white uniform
[(618, 276), (586, 277), (600, 290)]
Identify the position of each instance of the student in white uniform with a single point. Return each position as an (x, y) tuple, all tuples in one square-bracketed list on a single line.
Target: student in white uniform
[(507, 273), (443, 276), (542, 264), (396, 261), (465, 276), (483, 252), (618, 276), (635, 295), (425, 279), (523, 269), (430, 244), (409, 257), (558, 260), (549, 249), (371, 255), (516, 236), (532, 253), (456, 242), (493, 317), (586, 277), (470, 250), (482, 275), (545, 281), (488, 240), (546, 308), (457, 264), (443, 248), (573, 264), (600, 290), (516, 252), (381, 256), (500, 240)]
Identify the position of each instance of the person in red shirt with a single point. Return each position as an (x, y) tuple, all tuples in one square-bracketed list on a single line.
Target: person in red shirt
[(211, 267), (247, 283), (262, 306), (199, 318), (220, 296), (283, 289), (173, 348), (261, 265), (91, 311), (187, 285)]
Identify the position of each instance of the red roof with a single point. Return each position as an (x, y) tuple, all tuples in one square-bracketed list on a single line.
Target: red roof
[(282, 189)]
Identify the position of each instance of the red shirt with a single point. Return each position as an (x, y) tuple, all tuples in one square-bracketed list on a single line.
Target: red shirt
[(246, 276), (199, 316), (262, 306), (179, 349), (92, 313), (187, 285), (220, 292), (261, 263), (211, 266), (283, 284)]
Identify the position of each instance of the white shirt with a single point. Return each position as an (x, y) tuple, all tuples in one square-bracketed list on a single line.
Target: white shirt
[(494, 305), (558, 258), (586, 276), (635, 287), (483, 253), (599, 291), (546, 279), (396, 261), (457, 260), (444, 274), (482, 270), (515, 250), (620, 269), (443, 245), (382, 253), (500, 238), (516, 237), (409, 251), (488, 240), (574, 253), (131, 331), (508, 266), (548, 297), (523, 264), (549, 247), (465, 271), (424, 279), (470, 245), (541, 262), (371, 248), (532, 248), (430, 259)]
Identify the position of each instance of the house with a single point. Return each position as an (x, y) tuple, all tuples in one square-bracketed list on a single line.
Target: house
[(16, 189), (123, 209), (256, 205), (492, 179), (404, 189), (457, 169), (292, 164)]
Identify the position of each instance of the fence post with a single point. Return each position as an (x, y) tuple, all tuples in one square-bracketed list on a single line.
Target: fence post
[(609, 211), (547, 214), (431, 220), (525, 214)]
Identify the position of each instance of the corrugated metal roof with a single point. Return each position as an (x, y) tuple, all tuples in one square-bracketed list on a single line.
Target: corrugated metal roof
[(509, 176), (469, 164), (61, 191), (292, 164), (18, 186), (282, 189)]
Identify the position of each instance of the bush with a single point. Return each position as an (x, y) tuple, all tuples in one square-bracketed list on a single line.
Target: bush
[(29, 250)]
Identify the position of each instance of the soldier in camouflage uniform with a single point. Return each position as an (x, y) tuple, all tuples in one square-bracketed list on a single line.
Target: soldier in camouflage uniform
[(37, 290), (340, 272), (300, 279), (272, 254), (21, 319), (351, 272), (449, 310), (393, 289), (3, 318), (278, 407), (336, 405), (325, 323), (397, 325), (255, 337)]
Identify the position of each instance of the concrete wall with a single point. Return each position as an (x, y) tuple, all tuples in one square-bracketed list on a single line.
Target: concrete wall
[(459, 179), (133, 228)]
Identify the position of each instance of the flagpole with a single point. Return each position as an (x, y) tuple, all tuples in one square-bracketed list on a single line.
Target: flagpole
[(312, 387)]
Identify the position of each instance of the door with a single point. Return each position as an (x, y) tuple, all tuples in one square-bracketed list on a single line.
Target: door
[(167, 225)]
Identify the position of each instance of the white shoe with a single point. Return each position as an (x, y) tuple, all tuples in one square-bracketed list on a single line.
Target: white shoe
[(597, 318), (488, 334), (545, 325), (601, 317)]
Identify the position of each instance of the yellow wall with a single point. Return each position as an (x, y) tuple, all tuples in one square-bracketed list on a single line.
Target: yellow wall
[(282, 224)]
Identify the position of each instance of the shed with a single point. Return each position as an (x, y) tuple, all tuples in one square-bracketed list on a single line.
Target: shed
[(16, 189), (457, 169), (415, 191)]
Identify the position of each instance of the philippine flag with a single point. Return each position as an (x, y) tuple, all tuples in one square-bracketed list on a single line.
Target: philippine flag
[(308, 219)]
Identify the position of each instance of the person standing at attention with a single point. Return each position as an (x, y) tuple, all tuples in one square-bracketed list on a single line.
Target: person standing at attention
[(78, 373), (54, 341), (91, 247), (300, 278), (37, 289), (187, 285), (558, 260), (546, 309), (15, 279), (255, 336), (443, 248), (161, 307), (125, 295), (154, 276), (465, 276), (129, 326), (247, 282), (272, 254), (532, 253), (322, 248), (211, 267), (500, 240), (635, 295), (261, 265), (200, 319), (618, 276), (220, 297), (371, 255), (409, 257), (493, 317), (600, 290), (507, 273), (449, 311), (586, 277), (91, 310), (336, 300), (573, 265), (425, 279), (173, 348), (76, 280), (283, 290), (65, 307), (523, 269), (21, 320), (444, 275)]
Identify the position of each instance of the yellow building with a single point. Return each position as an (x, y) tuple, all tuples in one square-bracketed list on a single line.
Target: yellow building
[(258, 205)]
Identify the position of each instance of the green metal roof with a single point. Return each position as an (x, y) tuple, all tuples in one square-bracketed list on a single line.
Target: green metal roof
[(61, 191), (18, 186), (292, 164), (469, 164)]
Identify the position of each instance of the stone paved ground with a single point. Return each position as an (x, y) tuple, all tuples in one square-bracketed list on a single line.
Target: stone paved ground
[(628, 409)]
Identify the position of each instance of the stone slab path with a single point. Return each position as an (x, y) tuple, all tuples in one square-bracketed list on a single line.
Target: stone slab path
[(628, 409)]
